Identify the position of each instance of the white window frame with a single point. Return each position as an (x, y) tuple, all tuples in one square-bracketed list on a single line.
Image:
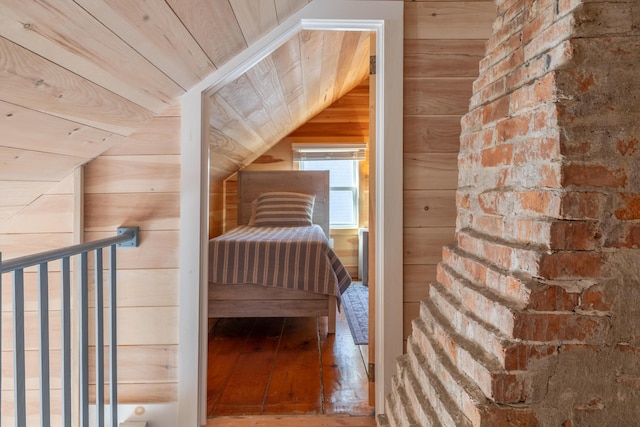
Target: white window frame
[(355, 190)]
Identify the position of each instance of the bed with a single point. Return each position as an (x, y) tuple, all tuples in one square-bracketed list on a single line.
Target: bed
[(264, 269)]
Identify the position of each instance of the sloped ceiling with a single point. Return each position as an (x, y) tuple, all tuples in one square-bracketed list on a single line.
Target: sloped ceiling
[(77, 77)]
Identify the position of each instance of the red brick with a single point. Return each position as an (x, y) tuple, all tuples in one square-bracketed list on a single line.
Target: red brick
[(517, 357), (631, 209), (512, 127), (624, 236), (575, 235), (627, 147), (545, 327), (582, 205), (553, 298), (570, 265), (535, 149), (540, 201), (496, 110), (497, 156), (593, 175), (595, 298)]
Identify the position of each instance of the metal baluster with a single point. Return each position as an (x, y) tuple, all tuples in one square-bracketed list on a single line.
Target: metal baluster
[(66, 342), (113, 343), (99, 291), (18, 349), (43, 332), (84, 340)]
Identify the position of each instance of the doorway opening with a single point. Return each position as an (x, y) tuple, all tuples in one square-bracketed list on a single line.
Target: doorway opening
[(384, 18)]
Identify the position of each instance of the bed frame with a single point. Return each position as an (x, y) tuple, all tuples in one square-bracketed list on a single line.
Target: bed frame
[(260, 301)]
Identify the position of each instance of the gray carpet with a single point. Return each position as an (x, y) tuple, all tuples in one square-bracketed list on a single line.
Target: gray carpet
[(355, 301)]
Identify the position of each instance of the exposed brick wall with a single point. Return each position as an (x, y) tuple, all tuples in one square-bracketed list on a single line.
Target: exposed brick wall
[(535, 316)]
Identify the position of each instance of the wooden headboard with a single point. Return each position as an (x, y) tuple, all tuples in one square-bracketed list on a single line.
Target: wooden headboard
[(252, 183)]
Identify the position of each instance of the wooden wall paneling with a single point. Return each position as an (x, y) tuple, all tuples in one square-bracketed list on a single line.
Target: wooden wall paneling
[(24, 165), (140, 364), (429, 208), (7, 212), (21, 193), (141, 393), (157, 249), (133, 174), (424, 245), (286, 8), (222, 146), (149, 211), (254, 17), (331, 54), (156, 287), (435, 133), (264, 78), (361, 64), (31, 291), (345, 244), (31, 325), (288, 60), (158, 34), (123, 70), (32, 370), (47, 214), (216, 206), (33, 408), (159, 136), (71, 138), (214, 25), (243, 98), (442, 58), (142, 326), (417, 278), (430, 170), (437, 96), (223, 116), (444, 42), (411, 311), (63, 93), (351, 41), (311, 45), (448, 20), (16, 245), (279, 157)]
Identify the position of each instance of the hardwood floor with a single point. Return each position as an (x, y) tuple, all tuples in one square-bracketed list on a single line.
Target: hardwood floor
[(286, 371)]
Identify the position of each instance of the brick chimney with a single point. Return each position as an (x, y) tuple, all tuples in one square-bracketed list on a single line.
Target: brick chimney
[(535, 316)]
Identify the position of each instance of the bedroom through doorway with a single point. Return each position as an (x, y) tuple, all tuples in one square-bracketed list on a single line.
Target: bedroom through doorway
[(344, 120)]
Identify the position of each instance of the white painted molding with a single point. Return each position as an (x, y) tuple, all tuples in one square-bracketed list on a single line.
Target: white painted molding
[(384, 17)]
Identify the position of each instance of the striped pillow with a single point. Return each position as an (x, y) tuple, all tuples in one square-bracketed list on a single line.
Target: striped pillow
[(284, 209)]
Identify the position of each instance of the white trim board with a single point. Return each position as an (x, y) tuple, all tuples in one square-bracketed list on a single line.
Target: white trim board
[(386, 19)]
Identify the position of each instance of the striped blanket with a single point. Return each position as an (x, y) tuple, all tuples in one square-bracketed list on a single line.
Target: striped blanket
[(286, 257)]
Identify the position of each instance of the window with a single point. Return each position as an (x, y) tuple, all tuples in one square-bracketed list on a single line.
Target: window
[(343, 186), (341, 160)]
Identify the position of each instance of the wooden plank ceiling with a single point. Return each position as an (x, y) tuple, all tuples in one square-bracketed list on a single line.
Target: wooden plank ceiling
[(77, 77)]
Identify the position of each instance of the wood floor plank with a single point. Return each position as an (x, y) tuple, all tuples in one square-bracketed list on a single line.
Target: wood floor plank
[(295, 383), (292, 421), (297, 386), (245, 389), (224, 339), (344, 375)]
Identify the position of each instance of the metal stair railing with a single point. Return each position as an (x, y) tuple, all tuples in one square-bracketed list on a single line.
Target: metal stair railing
[(127, 236)]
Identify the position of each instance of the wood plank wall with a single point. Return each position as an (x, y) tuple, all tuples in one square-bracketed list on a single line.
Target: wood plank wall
[(444, 42), (137, 183), (45, 223)]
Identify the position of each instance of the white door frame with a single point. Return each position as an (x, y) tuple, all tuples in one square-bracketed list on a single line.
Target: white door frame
[(385, 17)]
